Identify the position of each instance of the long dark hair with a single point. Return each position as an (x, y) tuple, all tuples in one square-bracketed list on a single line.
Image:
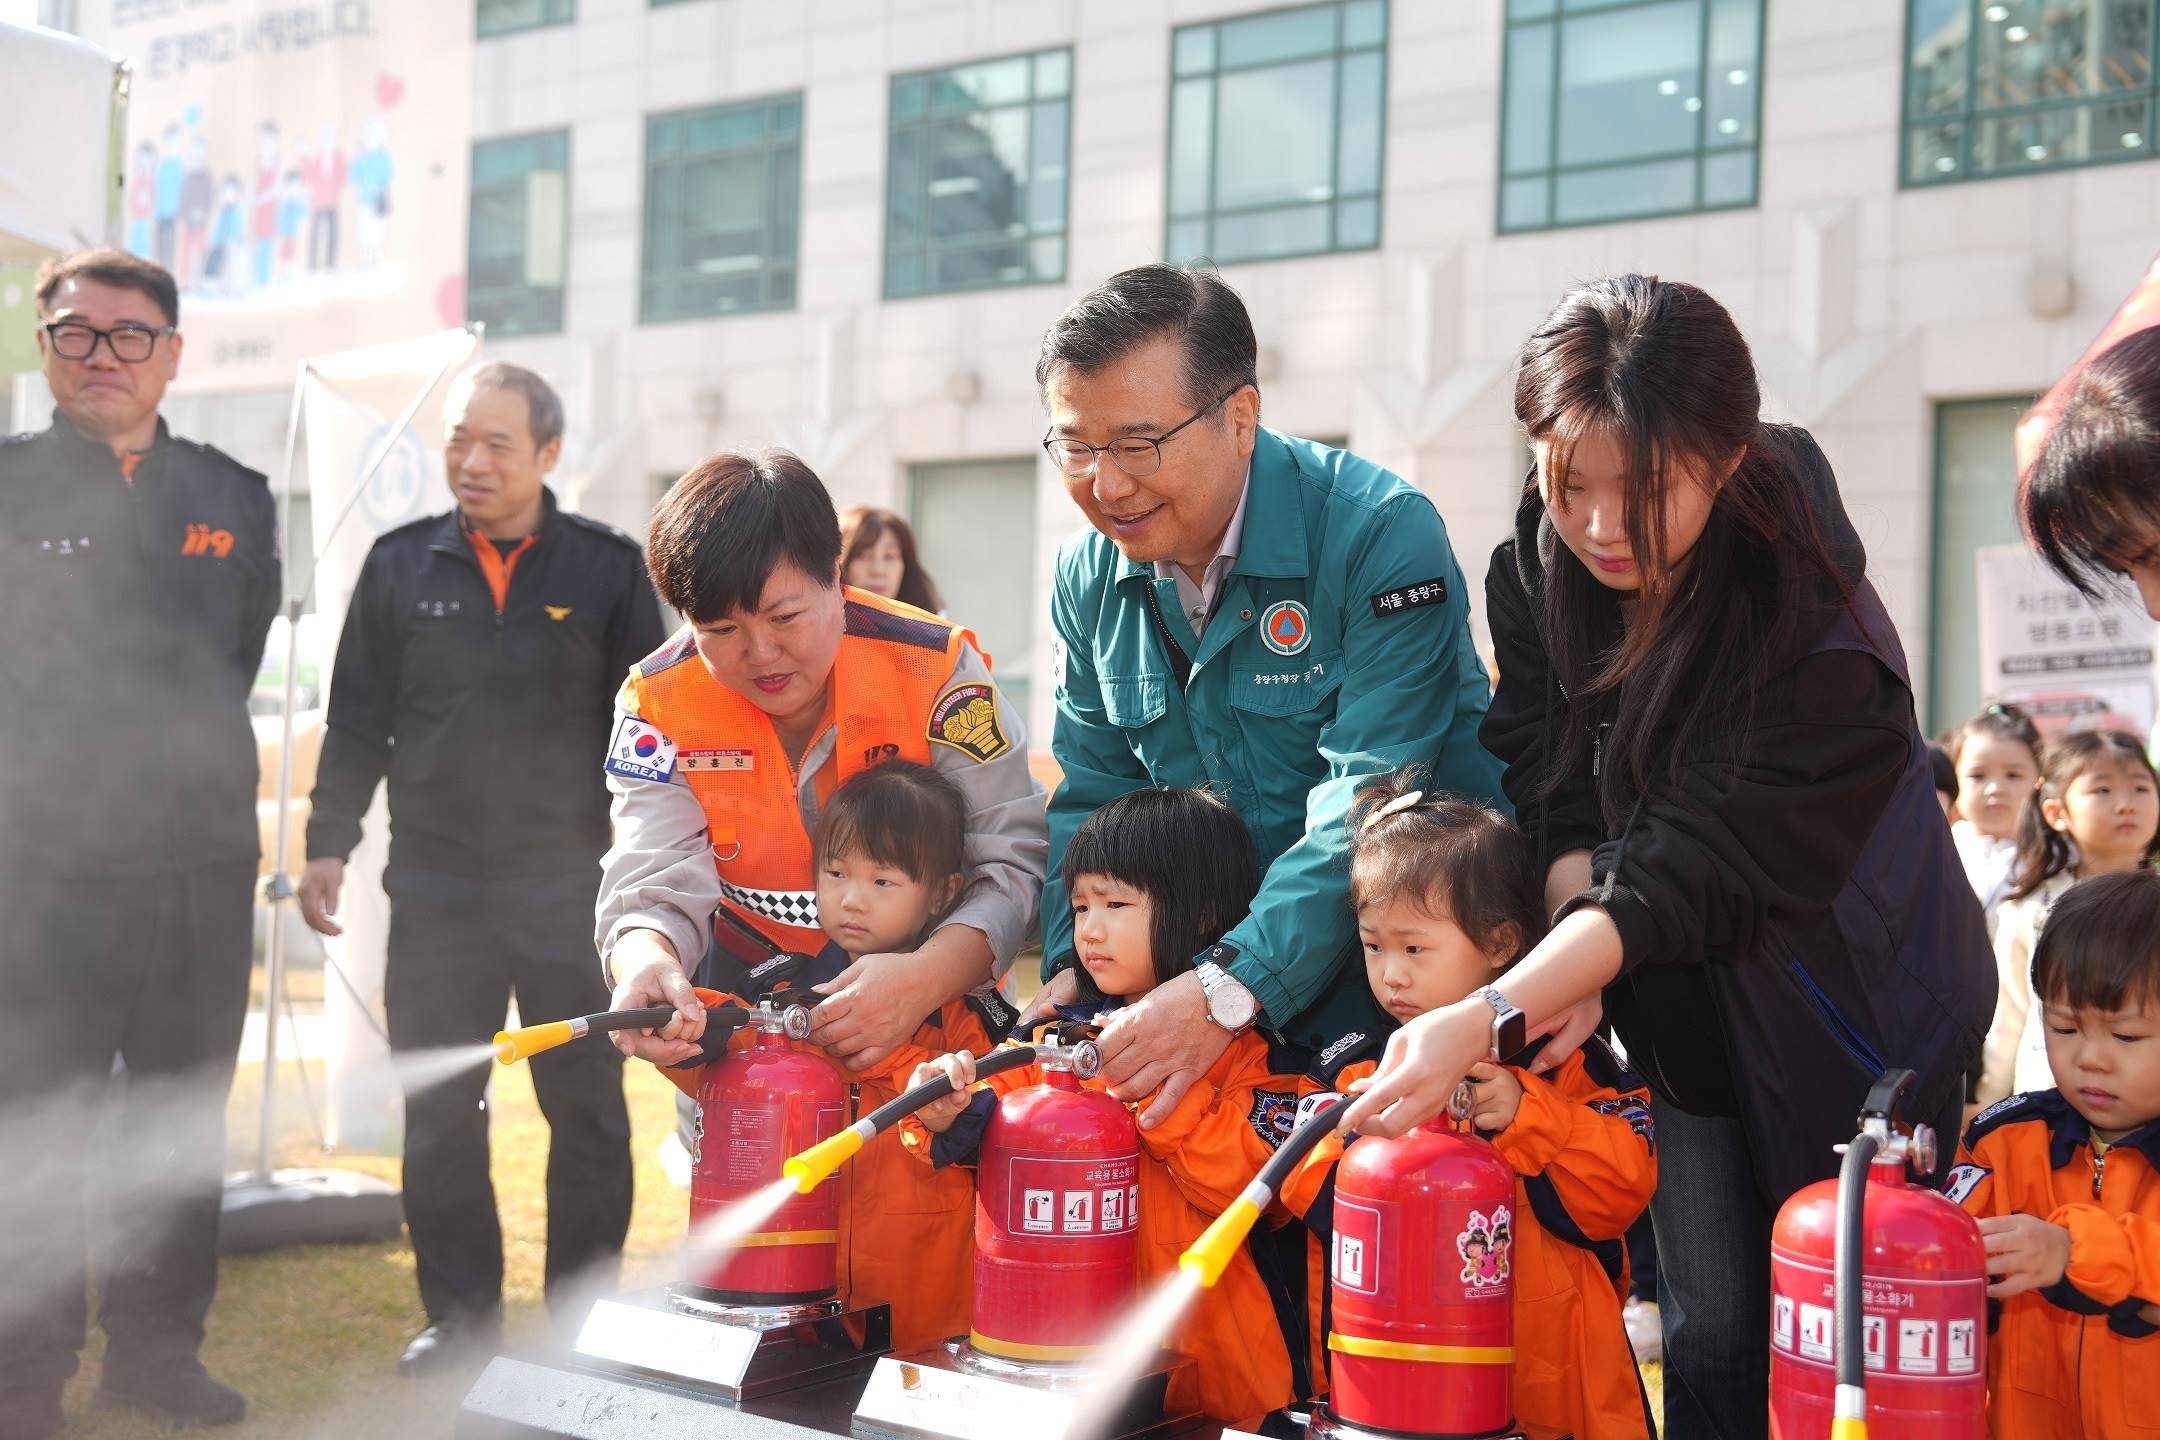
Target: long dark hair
[(1662, 368), (2092, 498), (861, 526), (2043, 852), (1187, 851)]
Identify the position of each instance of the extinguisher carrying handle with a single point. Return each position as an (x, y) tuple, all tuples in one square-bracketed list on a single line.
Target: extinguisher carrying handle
[(1884, 1097)]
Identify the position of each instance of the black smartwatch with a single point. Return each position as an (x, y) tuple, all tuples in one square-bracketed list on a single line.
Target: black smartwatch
[(1510, 1027)]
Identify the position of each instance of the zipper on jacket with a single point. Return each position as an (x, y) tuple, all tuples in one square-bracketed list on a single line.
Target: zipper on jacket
[(1840, 1027), (2099, 1170)]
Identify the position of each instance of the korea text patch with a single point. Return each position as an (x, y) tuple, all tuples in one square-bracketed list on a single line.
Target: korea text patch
[(639, 751), (966, 719), (1409, 597)]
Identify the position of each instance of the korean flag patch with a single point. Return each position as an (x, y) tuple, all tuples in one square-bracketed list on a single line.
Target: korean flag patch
[(640, 752), (1963, 1180)]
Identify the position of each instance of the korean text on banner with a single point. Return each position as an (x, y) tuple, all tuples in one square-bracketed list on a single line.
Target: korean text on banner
[(2073, 663)]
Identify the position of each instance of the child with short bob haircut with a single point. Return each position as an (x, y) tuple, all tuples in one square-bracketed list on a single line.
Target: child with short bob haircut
[(2096, 812), (890, 856), (2066, 1181), (1156, 877), (1447, 899)]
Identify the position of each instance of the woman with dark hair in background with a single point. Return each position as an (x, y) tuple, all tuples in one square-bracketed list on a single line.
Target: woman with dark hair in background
[(1707, 726), (877, 553), (2091, 501)]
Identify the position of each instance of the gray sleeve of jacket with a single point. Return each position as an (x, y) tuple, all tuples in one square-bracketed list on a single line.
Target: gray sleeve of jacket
[(1008, 835), (659, 873)]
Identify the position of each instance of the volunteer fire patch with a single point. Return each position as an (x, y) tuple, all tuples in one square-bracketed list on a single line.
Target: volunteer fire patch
[(1274, 1115), (966, 719), (639, 751), (1963, 1180)]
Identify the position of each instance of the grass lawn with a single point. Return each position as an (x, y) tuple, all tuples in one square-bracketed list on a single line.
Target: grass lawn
[(311, 1335)]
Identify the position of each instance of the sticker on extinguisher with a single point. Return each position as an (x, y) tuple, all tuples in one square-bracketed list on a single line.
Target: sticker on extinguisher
[(1914, 1328), (1075, 1199)]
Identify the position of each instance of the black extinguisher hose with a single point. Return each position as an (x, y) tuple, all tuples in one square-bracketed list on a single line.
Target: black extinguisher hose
[(907, 1102), (1850, 1254), (1207, 1257)]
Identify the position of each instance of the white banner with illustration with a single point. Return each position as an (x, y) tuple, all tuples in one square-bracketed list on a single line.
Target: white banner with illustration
[(2072, 663), (301, 168), (349, 405)]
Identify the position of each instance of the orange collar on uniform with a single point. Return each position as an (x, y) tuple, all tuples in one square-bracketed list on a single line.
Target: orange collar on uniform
[(497, 566)]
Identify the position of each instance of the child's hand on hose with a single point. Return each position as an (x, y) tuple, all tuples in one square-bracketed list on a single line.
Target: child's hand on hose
[(938, 1116), (1495, 1096)]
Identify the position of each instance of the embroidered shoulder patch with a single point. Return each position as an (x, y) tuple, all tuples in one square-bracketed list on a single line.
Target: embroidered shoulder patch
[(1409, 597), (1963, 1180), (1631, 1109), (1274, 1115), (966, 719), (639, 751)]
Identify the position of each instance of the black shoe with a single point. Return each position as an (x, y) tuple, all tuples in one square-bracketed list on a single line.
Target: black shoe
[(449, 1343), (176, 1392)]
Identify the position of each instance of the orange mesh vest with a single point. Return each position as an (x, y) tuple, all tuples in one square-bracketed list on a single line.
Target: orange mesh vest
[(894, 663)]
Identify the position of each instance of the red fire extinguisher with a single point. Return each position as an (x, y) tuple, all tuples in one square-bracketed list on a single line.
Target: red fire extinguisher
[(1878, 1308), (1057, 1216), (1423, 1285), (758, 1105)]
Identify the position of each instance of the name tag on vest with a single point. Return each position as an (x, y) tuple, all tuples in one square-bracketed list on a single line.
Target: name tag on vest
[(717, 759)]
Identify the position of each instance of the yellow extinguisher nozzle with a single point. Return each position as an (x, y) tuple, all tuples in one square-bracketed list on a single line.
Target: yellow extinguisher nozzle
[(512, 1046), (816, 1164), (1207, 1258), (1845, 1427)]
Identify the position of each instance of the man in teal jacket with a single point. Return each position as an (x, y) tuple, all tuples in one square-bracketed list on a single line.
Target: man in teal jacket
[(1259, 614)]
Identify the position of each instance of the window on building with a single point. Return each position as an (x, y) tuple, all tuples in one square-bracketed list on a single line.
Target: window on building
[(1277, 133), (1975, 505), (1618, 109), (2003, 87), (962, 512), (506, 17), (723, 195), (976, 182), (517, 245)]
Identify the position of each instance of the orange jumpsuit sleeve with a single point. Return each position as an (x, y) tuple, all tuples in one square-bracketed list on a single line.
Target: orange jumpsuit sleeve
[(1591, 1141), (1228, 1125), (1971, 1181), (2113, 1257)]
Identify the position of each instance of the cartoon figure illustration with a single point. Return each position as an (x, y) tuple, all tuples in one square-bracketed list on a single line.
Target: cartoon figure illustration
[(262, 226), (292, 218), (198, 204), (372, 172), (171, 182), (142, 201), (325, 172), (228, 233), (1484, 1247)]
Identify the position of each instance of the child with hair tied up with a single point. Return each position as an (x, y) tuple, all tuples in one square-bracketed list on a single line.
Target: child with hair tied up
[(1447, 899), (2097, 812)]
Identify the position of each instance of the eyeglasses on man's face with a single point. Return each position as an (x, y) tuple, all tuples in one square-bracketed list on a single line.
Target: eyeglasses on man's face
[(1137, 455), (130, 344)]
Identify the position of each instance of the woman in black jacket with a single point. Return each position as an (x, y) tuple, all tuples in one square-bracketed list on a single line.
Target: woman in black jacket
[(1708, 730)]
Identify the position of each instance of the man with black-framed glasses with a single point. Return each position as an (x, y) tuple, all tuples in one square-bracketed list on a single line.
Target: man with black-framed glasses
[(138, 573), (1254, 613)]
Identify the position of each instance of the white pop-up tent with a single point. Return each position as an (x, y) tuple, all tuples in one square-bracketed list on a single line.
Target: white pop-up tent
[(60, 112)]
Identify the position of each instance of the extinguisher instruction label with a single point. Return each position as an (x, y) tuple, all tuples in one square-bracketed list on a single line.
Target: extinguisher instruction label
[(1073, 1198), (1914, 1328), (1357, 1247)]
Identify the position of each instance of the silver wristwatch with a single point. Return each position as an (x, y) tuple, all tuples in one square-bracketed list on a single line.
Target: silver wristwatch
[(1229, 1004)]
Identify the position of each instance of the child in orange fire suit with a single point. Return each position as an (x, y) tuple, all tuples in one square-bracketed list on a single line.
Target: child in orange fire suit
[(1156, 877), (1447, 899), (2066, 1182), (891, 856)]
